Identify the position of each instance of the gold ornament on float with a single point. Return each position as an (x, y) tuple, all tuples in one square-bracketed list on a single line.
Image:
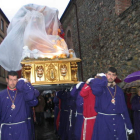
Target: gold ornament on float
[(26, 71), (45, 71), (51, 73), (63, 70), (39, 71)]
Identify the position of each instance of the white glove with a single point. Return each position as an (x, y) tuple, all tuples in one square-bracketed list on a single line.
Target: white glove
[(88, 80), (25, 80), (78, 85), (130, 131), (101, 74)]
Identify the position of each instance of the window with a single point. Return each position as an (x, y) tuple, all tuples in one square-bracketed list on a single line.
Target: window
[(68, 33), (69, 40), (2, 72), (6, 29), (2, 25)]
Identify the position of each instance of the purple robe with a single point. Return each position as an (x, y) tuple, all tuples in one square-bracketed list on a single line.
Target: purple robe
[(136, 115), (63, 114), (112, 119), (30, 119), (71, 116), (56, 111), (79, 112), (8, 116)]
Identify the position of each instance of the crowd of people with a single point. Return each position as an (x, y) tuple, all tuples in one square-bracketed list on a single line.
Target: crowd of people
[(45, 108), (132, 96), (97, 109)]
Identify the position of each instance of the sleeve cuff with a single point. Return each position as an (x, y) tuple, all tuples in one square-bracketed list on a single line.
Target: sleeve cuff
[(90, 79), (78, 85), (101, 74), (130, 131)]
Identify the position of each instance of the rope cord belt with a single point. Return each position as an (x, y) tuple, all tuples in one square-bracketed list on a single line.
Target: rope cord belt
[(12, 123), (106, 114), (70, 117), (85, 124)]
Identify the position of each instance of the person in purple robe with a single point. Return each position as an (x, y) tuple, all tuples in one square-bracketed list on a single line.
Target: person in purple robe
[(71, 115), (56, 111), (75, 92), (136, 114), (13, 111), (30, 119), (112, 121), (63, 114)]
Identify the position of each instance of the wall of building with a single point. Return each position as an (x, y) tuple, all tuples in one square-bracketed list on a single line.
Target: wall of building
[(3, 33), (107, 37), (3, 18)]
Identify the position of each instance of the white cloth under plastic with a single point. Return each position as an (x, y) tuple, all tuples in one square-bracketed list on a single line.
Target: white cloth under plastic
[(33, 32)]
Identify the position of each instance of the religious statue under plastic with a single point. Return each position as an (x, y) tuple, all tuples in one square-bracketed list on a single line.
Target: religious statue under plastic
[(34, 32)]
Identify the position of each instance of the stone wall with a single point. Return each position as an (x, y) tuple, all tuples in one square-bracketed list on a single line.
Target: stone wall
[(106, 39)]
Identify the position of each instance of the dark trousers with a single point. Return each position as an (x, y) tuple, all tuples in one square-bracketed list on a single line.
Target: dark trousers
[(39, 118)]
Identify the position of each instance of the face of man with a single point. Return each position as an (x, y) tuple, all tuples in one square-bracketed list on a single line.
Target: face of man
[(111, 76), (12, 81)]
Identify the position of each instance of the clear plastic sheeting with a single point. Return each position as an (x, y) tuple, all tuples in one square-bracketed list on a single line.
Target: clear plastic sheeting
[(72, 53), (33, 33)]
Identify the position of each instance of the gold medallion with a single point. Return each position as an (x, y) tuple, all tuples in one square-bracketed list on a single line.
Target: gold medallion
[(13, 106), (113, 101)]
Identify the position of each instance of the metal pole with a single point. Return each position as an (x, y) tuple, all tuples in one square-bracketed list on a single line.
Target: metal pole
[(74, 2)]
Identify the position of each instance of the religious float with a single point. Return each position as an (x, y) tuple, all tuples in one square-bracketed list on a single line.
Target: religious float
[(35, 43), (45, 56)]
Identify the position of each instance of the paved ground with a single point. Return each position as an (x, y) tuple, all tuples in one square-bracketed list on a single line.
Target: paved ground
[(46, 132), (131, 137)]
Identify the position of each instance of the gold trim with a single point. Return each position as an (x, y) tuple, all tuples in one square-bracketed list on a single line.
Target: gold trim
[(56, 71)]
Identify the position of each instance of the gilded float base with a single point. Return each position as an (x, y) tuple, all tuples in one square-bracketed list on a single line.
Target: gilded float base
[(56, 71)]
